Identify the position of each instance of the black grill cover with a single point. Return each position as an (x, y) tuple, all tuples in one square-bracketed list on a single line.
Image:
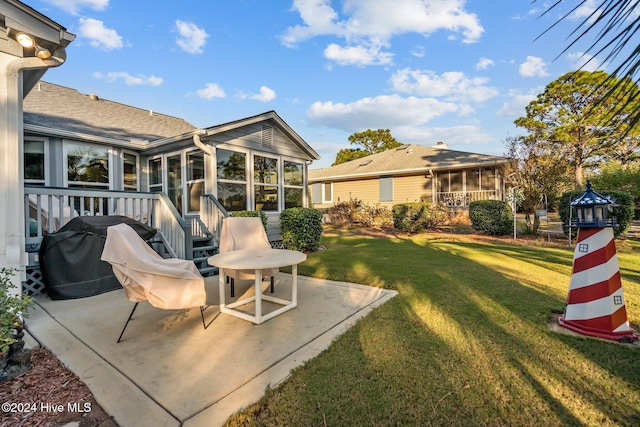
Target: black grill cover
[(70, 258)]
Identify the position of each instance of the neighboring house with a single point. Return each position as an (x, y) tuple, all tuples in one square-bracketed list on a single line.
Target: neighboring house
[(85, 155), (411, 173)]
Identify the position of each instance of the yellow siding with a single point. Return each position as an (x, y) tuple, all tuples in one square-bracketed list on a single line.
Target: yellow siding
[(405, 189)]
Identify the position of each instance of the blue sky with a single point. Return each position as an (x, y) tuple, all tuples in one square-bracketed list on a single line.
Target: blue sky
[(429, 70)]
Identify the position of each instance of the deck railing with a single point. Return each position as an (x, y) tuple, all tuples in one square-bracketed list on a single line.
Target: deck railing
[(211, 214), (47, 209), (462, 199)]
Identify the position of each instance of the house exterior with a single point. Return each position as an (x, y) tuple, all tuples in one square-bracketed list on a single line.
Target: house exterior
[(30, 44), (86, 155), (411, 173)]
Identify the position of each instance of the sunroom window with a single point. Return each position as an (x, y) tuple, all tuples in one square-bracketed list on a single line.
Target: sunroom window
[(155, 175), (293, 179), (232, 179), (195, 180), (265, 179)]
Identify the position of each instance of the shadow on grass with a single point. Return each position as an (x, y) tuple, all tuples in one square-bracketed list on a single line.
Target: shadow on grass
[(464, 343)]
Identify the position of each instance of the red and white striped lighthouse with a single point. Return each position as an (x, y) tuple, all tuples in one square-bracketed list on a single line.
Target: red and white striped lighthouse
[(595, 304)]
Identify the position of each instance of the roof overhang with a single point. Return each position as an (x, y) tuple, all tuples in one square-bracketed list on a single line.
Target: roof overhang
[(16, 17), (268, 116), (397, 172)]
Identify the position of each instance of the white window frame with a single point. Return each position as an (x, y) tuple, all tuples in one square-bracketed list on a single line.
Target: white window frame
[(130, 187), (278, 183), (47, 173), (248, 167), (65, 165), (297, 187), (324, 195), (188, 181), (152, 188)]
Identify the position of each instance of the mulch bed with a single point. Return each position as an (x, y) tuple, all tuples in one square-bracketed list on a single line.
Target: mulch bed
[(49, 395)]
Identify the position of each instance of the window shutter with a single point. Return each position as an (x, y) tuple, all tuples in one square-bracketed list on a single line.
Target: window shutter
[(386, 189), (316, 192)]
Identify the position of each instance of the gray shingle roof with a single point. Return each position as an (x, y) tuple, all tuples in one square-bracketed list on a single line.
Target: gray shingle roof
[(59, 107), (405, 159)]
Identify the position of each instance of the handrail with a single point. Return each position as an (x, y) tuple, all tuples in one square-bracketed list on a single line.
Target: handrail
[(47, 209), (211, 214)]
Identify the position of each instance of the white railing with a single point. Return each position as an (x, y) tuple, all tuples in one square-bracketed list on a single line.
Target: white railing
[(211, 214), (47, 209), (462, 199)]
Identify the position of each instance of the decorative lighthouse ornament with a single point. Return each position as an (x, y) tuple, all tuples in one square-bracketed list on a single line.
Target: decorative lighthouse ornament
[(595, 304)]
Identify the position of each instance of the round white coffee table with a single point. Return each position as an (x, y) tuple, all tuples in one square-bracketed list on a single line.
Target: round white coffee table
[(257, 260)]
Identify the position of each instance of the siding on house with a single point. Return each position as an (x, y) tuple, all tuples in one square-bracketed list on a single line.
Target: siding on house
[(410, 188)]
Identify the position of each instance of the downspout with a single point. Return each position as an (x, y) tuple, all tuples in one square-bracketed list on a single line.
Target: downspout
[(12, 240)]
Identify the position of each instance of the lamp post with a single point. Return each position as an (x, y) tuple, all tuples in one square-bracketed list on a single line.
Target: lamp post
[(595, 304)]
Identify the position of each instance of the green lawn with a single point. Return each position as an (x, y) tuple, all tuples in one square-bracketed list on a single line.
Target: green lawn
[(465, 342)]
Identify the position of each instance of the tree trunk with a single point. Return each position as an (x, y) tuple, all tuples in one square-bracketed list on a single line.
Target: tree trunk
[(579, 176)]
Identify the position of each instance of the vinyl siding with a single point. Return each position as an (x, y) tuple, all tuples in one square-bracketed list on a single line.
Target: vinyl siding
[(405, 189)]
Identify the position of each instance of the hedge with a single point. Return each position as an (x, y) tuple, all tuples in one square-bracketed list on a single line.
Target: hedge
[(493, 217), (301, 228)]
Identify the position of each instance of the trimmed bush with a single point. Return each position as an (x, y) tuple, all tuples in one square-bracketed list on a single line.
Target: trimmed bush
[(252, 214), (418, 216), (301, 228), (493, 217), (623, 213)]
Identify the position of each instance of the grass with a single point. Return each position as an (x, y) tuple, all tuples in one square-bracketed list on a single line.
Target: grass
[(465, 342)]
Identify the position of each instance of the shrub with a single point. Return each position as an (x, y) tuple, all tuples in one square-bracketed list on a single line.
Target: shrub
[(11, 306), (491, 216), (252, 214), (623, 213), (301, 228), (342, 213), (373, 216), (418, 216)]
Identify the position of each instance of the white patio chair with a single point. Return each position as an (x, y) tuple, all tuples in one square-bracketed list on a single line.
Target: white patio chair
[(169, 284), (239, 233)]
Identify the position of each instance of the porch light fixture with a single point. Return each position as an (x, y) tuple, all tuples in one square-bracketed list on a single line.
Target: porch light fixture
[(25, 40), (42, 53)]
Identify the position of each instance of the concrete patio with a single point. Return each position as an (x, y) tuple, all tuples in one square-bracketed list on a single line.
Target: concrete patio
[(169, 371)]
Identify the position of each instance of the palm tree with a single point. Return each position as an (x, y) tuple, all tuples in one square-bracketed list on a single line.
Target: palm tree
[(613, 25)]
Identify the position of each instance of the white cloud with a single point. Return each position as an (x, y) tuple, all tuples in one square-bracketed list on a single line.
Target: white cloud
[(128, 79), (369, 25), (517, 103), (533, 67), (452, 136), (357, 55), (191, 38), (210, 91), (585, 61), (387, 111), (99, 36), (453, 85), (73, 6), (266, 94), (484, 63)]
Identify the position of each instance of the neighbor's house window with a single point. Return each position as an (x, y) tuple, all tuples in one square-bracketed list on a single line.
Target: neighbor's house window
[(155, 175), (232, 179), (129, 171), (195, 180), (293, 180), (327, 192), (34, 162), (265, 180), (386, 189), (316, 193), (87, 166)]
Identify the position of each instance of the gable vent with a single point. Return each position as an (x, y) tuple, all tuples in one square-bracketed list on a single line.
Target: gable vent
[(267, 136)]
